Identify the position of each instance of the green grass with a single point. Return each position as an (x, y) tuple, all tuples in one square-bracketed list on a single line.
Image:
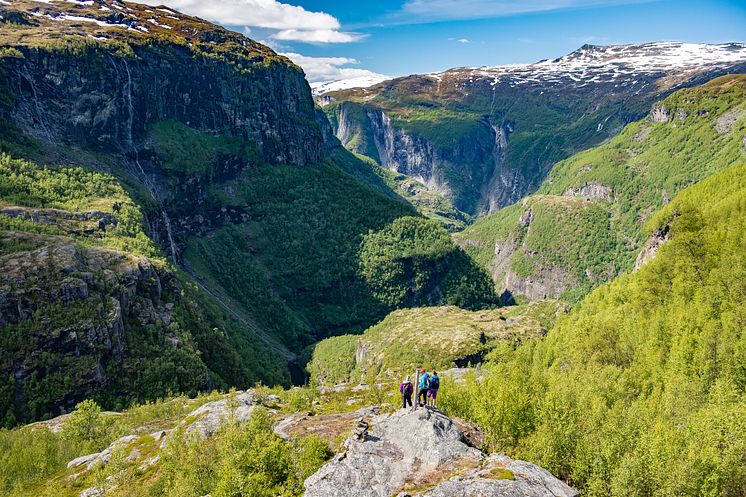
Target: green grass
[(432, 337), (182, 149)]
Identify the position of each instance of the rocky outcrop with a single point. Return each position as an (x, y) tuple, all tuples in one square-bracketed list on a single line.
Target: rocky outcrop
[(502, 476), (549, 282), (329, 427), (725, 123), (206, 420), (74, 223), (659, 114), (406, 153), (590, 190), (103, 457), (82, 301), (651, 247), (408, 451)]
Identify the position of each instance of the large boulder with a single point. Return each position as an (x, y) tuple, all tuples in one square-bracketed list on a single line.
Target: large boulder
[(209, 418), (423, 452)]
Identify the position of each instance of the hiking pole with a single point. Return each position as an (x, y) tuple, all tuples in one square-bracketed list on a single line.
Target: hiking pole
[(417, 389)]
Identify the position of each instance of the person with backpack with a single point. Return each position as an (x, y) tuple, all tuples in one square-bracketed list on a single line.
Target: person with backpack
[(433, 387), (422, 388), (406, 389)]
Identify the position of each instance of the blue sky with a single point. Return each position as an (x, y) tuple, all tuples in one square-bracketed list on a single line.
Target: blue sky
[(341, 39)]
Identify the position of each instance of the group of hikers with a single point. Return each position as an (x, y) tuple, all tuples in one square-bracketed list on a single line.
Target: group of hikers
[(427, 390)]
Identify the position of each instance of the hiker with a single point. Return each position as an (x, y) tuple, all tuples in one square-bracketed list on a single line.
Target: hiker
[(422, 388), (433, 386), (406, 390)]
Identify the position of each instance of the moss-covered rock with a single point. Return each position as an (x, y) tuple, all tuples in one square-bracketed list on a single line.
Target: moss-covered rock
[(437, 338)]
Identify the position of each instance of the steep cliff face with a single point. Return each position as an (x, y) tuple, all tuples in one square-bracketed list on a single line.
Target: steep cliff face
[(488, 136), (469, 164), (101, 101), (63, 310)]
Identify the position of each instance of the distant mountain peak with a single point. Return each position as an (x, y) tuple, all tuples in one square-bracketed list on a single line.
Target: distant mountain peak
[(614, 64)]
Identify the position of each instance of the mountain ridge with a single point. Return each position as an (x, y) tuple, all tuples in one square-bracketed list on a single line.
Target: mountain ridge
[(486, 137)]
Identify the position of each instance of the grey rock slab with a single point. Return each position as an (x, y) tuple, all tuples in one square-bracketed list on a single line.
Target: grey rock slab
[(210, 417), (397, 448), (528, 480), (410, 448)]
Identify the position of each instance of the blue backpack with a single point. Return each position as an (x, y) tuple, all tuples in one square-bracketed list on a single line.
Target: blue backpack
[(434, 383), (424, 381)]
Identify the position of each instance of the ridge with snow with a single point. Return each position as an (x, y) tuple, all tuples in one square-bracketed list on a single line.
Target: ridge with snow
[(608, 64)]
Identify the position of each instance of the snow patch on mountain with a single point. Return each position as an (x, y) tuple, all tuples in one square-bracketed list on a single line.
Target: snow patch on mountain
[(345, 84), (607, 64)]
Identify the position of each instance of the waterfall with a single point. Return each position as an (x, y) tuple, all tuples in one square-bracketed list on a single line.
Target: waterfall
[(130, 107), (39, 115), (149, 186), (171, 243), (127, 91)]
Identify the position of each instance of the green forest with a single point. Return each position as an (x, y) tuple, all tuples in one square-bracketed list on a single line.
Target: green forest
[(640, 390)]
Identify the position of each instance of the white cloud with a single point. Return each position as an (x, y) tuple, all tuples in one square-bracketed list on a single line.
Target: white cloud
[(294, 22), (319, 69), (463, 40), (418, 11), (260, 13), (317, 36)]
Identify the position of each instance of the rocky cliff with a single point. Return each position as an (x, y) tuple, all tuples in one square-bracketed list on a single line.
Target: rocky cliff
[(72, 318), (488, 136)]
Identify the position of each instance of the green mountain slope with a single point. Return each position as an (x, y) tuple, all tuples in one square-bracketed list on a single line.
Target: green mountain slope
[(641, 389), (89, 307), (226, 221), (584, 225)]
